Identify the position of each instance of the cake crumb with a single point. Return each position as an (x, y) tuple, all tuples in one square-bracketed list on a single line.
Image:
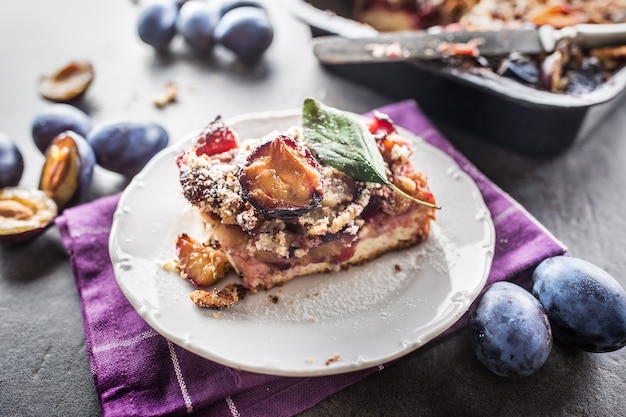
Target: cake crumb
[(218, 299), (333, 359), (171, 266), (167, 96), (274, 298)]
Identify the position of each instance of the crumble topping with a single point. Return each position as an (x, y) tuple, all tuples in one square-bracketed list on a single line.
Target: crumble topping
[(219, 298), (211, 184)]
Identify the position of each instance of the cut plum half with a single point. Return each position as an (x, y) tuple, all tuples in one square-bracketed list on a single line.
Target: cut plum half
[(282, 179)]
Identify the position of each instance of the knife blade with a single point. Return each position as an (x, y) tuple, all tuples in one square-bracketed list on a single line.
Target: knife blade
[(421, 45)]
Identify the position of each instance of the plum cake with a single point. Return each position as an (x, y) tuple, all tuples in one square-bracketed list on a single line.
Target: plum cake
[(334, 192)]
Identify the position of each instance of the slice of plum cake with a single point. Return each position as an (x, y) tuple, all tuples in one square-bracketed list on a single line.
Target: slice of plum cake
[(275, 209)]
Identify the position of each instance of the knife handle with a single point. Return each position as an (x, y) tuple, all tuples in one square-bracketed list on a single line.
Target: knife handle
[(586, 35)]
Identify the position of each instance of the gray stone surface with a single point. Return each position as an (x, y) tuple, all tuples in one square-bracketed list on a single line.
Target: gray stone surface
[(579, 196)]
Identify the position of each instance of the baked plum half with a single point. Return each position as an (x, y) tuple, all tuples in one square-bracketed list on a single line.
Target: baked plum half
[(282, 179), (214, 139), (200, 264)]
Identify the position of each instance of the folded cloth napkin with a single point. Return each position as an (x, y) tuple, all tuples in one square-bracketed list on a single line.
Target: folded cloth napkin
[(137, 372)]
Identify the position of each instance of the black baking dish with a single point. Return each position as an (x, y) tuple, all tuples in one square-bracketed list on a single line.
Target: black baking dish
[(494, 108)]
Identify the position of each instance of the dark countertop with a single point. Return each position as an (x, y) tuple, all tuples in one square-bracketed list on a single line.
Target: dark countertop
[(578, 196)]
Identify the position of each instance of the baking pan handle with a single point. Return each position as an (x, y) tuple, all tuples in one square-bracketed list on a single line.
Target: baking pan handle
[(329, 23), (586, 35)]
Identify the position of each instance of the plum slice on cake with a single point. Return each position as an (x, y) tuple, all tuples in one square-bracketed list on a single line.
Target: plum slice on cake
[(319, 197)]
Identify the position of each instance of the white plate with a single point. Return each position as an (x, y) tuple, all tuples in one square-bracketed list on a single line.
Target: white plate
[(361, 317)]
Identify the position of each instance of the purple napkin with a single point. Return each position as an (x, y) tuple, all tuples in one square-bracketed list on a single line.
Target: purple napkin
[(137, 372)]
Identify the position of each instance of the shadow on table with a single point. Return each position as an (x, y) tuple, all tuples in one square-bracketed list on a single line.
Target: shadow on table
[(444, 378), (36, 258)]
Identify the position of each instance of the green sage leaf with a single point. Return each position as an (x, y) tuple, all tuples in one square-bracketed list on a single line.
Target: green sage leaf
[(341, 141)]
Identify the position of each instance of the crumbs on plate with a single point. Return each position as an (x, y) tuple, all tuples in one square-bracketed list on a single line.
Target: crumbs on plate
[(331, 360)]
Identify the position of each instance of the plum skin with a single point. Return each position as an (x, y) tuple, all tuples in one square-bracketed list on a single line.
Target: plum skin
[(585, 304), (126, 147), (246, 31), (56, 119), (157, 24), (11, 163), (229, 5), (520, 68), (509, 331), (196, 23)]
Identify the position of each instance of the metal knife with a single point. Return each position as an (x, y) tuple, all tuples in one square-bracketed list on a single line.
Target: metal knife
[(416, 45)]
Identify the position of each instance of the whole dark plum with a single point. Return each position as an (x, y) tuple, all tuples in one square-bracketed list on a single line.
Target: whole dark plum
[(11, 162), (509, 331), (228, 5), (56, 119), (196, 23), (585, 304), (246, 31), (156, 25), (126, 147), (68, 169)]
